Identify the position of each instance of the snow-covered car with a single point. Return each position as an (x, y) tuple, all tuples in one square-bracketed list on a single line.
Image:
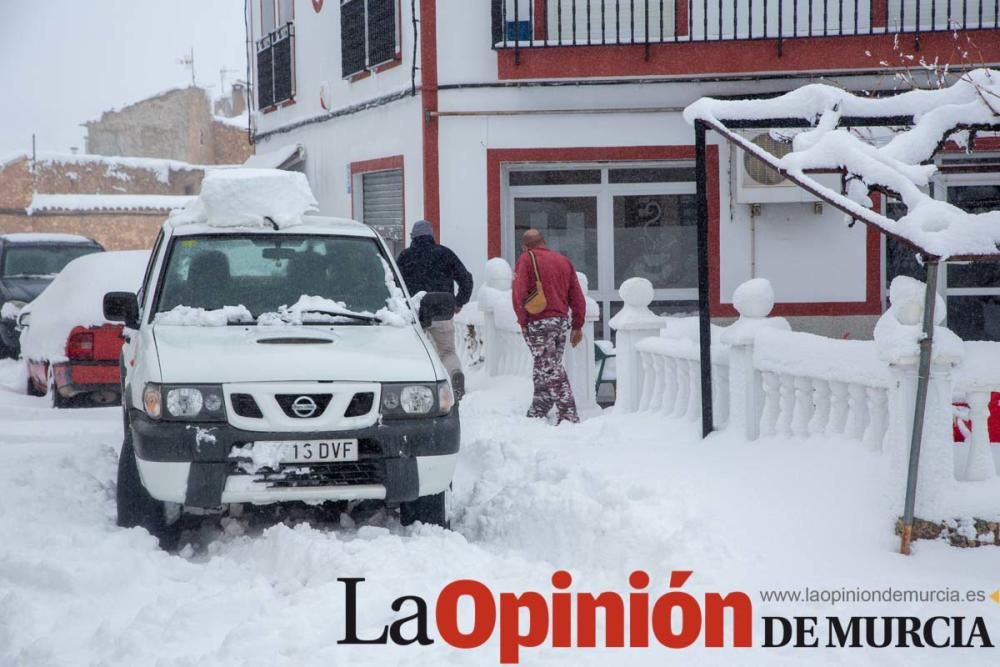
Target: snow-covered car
[(71, 351), (278, 359), (28, 263)]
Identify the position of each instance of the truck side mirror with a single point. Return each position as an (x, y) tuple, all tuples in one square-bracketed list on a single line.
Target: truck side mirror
[(122, 307), (436, 307)]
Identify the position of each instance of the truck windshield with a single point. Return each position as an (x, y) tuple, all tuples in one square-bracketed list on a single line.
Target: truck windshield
[(265, 273), (41, 260)]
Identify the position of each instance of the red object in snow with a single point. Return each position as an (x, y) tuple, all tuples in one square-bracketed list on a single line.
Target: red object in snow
[(992, 422), (91, 368)]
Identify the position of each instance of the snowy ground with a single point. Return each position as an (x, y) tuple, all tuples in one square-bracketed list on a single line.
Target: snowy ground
[(599, 499)]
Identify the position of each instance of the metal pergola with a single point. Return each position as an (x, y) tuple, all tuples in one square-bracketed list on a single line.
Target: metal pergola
[(728, 130)]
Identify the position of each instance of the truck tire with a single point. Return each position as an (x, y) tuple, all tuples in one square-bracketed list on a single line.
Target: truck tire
[(136, 508), (30, 389), (426, 509)]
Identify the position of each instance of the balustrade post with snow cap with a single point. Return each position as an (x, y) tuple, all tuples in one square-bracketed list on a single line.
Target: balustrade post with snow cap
[(979, 465), (897, 336), (634, 322), (581, 367), (499, 280), (753, 300)]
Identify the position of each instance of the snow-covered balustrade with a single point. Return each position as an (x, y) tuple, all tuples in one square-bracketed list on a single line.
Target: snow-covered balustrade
[(817, 386), (671, 377), (975, 382), (504, 349)]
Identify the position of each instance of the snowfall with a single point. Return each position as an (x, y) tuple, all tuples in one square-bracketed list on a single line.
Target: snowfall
[(600, 499)]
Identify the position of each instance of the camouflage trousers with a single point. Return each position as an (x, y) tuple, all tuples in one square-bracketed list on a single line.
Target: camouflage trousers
[(547, 339)]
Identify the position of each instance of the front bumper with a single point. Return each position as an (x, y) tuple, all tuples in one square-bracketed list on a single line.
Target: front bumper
[(81, 377), (399, 460)]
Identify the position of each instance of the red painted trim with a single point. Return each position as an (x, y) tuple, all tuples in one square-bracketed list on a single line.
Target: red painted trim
[(979, 144), (429, 101), (737, 57), (396, 62), (379, 164), (541, 17), (880, 13), (681, 17), (274, 107), (496, 158)]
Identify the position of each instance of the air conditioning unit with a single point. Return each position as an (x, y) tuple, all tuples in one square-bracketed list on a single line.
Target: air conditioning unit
[(758, 183)]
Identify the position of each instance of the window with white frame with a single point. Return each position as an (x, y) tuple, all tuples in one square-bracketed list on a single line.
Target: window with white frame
[(614, 221), (369, 34), (276, 54)]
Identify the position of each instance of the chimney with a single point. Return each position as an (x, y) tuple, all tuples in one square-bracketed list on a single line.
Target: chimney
[(239, 98)]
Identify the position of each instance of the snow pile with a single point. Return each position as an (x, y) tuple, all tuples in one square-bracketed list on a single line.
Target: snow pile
[(807, 355), (934, 226), (199, 317), (980, 367), (900, 329), (637, 293), (754, 300), (10, 310), (76, 298), (41, 237), (249, 198)]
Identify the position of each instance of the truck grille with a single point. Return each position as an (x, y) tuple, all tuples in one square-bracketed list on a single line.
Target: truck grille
[(292, 475)]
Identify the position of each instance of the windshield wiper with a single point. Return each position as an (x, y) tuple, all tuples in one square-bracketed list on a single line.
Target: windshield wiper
[(361, 317)]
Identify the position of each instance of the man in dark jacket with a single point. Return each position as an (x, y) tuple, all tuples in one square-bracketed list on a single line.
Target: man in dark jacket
[(545, 331), (429, 267)]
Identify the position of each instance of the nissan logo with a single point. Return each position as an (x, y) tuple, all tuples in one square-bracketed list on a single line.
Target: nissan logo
[(304, 407)]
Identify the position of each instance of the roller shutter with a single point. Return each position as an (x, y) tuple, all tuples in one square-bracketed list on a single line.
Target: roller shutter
[(382, 197)]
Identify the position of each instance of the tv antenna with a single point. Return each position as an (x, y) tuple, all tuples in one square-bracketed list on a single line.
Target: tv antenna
[(188, 61)]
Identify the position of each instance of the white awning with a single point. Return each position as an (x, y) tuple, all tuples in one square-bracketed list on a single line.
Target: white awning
[(285, 157)]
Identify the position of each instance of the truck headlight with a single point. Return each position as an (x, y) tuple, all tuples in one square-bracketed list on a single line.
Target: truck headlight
[(193, 402), (416, 400)]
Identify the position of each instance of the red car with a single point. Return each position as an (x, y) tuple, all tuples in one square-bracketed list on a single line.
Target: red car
[(70, 350), (90, 369)]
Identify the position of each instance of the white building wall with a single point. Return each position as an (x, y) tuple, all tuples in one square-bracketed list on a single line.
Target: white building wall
[(317, 65), (808, 257), (333, 144)]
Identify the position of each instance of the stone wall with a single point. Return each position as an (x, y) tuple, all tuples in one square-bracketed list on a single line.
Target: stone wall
[(177, 124)]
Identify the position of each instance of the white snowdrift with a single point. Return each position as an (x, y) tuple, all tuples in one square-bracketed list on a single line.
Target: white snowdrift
[(188, 316), (76, 298), (249, 198)]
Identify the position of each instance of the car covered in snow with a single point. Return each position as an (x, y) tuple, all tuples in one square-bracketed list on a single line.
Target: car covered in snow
[(275, 356), (71, 351), (28, 263)]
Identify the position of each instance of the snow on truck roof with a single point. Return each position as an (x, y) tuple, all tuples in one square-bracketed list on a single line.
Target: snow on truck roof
[(258, 200), (37, 237)]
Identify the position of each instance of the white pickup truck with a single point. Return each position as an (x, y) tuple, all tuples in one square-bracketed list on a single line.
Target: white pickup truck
[(268, 363)]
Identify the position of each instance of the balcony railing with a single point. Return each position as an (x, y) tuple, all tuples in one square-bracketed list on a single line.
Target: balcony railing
[(540, 23)]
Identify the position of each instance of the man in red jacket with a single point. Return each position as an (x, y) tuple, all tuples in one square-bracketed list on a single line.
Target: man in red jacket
[(545, 332)]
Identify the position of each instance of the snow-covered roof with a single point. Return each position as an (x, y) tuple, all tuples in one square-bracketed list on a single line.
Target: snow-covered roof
[(114, 163), (36, 237), (87, 202), (936, 227), (241, 121), (277, 158)]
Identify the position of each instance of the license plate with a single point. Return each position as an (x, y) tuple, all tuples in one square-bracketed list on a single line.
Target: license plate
[(310, 451)]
